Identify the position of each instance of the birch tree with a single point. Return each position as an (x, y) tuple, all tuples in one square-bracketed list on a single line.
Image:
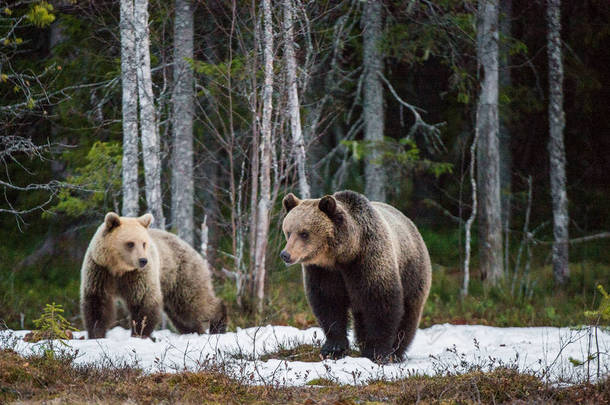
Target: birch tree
[(182, 123), (557, 156), (129, 83), (372, 108), (264, 202), (488, 155), (505, 136), (148, 120), (298, 143)]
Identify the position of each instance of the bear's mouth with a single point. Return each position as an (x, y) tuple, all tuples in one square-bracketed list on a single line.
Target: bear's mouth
[(290, 261)]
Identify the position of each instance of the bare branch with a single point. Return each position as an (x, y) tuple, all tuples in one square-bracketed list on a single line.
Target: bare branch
[(431, 132), (583, 239)]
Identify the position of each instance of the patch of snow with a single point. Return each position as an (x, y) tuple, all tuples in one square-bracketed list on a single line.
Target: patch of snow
[(543, 351)]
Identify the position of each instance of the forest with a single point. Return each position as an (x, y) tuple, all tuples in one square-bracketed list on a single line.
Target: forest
[(485, 122)]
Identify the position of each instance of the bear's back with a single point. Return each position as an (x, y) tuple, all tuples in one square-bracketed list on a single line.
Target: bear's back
[(178, 260), (408, 243)]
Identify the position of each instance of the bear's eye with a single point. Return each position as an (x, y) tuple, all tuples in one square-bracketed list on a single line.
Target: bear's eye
[(303, 235), (144, 245), (130, 245)]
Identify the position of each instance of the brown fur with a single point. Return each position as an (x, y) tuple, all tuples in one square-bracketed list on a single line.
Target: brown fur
[(362, 256), (174, 278)]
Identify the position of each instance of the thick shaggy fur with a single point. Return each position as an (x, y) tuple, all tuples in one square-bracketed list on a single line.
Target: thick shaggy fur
[(362, 256), (150, 270)]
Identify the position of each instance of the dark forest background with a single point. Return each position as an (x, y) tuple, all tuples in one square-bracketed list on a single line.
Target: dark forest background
[(60, 88)]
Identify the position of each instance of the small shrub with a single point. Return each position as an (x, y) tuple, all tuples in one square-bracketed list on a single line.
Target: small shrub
[(52, 327), (603, 311)]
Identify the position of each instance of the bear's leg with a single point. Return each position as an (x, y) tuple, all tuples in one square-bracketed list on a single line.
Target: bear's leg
[(408, 327), (145, 315), (187, 322), (376, 319), (218, 323), (99, 313), (329, 301), (196, 309), (199, 322)]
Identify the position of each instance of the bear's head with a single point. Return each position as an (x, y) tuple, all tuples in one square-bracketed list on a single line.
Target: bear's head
[(123, 243), (318, 231)]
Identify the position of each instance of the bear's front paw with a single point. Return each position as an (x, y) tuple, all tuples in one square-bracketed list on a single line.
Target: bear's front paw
[(333, 350)]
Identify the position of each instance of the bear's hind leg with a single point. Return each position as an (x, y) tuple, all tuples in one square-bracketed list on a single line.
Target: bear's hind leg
[(329, 301), (186, 324), (407, 328), (218, 323)]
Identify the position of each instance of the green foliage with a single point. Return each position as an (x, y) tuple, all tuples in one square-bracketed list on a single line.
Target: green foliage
[(51, 327), (321, 382), (41, 14), (444, 245), (235, 67), (402, 154), (52, 324), (499, 306), (603, 311), (99, 182)]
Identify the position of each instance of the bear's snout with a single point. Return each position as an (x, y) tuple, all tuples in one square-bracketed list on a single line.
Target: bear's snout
[(143, 261), (285, 257)]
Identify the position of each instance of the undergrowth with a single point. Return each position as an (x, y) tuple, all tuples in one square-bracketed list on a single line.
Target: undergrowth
[(36, 378), (527, 300)]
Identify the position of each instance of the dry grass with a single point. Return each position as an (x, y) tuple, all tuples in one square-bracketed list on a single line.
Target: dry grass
[(302, 352), (39, 379)]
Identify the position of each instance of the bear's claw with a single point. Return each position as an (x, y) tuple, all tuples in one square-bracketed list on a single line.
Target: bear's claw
[(333, 350)]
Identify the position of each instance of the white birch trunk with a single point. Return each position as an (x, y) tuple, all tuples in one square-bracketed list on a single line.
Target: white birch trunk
[(490, 224), (129, 82), (298, 143), (254, 168), (148, 121), (473, 214), (182, 123), (264, 202), (373, 111), (505, 136), (557, 155)]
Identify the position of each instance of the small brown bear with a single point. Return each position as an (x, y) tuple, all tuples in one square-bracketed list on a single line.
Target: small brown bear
[(364, 256), (149, 270)]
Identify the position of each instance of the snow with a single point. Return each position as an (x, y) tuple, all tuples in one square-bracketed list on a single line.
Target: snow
[(545, 351)]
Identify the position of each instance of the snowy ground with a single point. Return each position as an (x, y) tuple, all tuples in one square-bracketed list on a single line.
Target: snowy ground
[(547, 352)]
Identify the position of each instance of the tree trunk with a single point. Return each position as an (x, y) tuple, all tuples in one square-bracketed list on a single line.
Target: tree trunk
[(298, 143), (506, 159), (148, 121), (254, 169), (473, 214), (490, 224), (182, 123), (557, 155), (264, 202), (129, 83), (373, 111)]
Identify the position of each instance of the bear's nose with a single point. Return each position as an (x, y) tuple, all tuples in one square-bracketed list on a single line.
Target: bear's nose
[(143, 262), (285, 256)]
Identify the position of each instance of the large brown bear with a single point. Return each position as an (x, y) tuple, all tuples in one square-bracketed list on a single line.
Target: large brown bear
[(150, 270), (364, 256)]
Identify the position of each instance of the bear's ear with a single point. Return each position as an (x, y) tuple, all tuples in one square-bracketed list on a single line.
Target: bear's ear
[(112, 220), (328, 205), (290, 201), (146, 220)]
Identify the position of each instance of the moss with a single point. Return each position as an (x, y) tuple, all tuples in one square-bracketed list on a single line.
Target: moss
[(322, 382)]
